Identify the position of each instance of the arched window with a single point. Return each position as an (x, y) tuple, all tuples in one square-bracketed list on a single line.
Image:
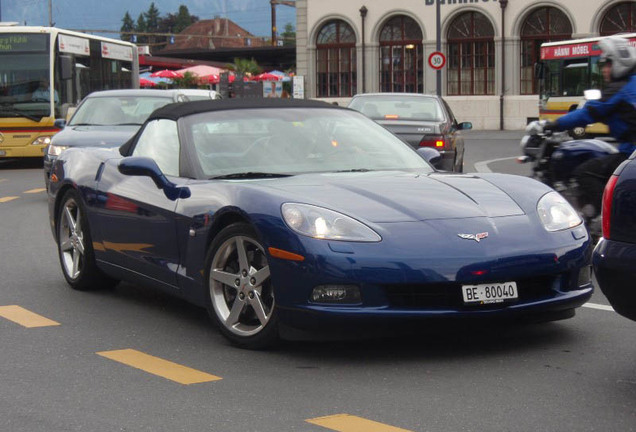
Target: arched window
[(546, 24), (401, 53), (471, 55), (619, 19), (336, 60)]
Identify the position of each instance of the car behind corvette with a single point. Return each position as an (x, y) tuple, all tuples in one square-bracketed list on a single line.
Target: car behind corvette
[(277, 214)]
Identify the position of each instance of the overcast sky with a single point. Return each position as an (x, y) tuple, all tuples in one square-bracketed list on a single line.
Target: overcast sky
[(253, 15)]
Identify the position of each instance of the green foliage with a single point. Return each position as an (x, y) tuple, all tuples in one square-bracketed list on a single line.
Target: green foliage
[(189, 80), (242, 66), (152, 18), (141, 28), (289, 35), (127, 26)]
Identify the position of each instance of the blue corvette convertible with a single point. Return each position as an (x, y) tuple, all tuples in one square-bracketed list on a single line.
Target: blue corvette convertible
[(278, 215)]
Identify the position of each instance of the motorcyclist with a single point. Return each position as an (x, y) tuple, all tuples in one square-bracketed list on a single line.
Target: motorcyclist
[(617, 109)]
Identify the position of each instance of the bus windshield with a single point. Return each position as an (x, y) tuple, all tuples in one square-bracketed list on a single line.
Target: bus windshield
[(24, 76), (571, 77)]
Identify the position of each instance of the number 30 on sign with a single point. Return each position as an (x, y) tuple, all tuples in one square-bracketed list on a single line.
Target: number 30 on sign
[(436, 60)]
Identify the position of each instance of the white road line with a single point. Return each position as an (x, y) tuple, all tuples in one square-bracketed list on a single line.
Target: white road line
[(598, 306), (483, 165)]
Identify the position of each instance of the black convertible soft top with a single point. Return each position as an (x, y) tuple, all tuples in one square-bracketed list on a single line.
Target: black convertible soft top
[(175, 111)]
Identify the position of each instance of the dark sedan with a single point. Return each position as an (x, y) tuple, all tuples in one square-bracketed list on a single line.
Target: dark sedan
[(419, 120), (615, 255), (107, 119)]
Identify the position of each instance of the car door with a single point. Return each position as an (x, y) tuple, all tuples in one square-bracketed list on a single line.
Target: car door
[(137, 221)]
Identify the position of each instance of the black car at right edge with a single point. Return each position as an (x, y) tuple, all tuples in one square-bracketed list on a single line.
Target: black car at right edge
[(614, 257)]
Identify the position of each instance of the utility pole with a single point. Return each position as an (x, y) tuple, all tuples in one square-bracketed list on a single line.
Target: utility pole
[(273, 4), (50, 13)]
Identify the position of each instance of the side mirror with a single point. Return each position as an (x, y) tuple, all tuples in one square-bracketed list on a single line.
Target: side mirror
[(60, 123), (66, 67), (146, 167), (430, 155), (465, 126), (592, 94)]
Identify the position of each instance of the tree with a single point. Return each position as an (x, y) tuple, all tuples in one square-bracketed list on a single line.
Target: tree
[(152, 21), (127, 27), (289, 35), (244, 67), (183, 19), (141, 27), (189, 80)]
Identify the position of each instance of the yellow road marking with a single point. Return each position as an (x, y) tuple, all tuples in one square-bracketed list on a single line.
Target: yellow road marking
[(24, 317), (156, 366), (350, 423), (33, 191), (7, 199)]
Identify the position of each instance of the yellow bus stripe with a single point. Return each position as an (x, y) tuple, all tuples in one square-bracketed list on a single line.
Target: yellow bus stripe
[(160, 367), (7, 199), (24, 317), (350, 423), (33, 191)]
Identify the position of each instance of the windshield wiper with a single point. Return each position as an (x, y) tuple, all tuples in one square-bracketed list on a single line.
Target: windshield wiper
[(249, 175), (17, 113)]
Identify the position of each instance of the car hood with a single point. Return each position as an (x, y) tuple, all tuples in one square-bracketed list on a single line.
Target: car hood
[(100, 136), (400, 197)]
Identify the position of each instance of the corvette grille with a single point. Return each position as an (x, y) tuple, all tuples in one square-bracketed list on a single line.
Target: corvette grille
[(448, 295)]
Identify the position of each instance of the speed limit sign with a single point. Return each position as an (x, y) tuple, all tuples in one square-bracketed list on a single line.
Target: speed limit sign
[(436, 60)]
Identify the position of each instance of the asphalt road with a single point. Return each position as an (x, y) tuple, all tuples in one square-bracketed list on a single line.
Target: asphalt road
[(573, 375)]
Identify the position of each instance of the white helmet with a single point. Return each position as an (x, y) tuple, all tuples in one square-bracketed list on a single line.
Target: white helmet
[(620, 53)]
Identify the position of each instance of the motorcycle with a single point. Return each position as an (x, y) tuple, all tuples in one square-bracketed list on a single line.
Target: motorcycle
[(555, 156)]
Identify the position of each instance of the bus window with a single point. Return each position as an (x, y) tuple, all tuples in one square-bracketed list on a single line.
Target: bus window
[(575, 77)]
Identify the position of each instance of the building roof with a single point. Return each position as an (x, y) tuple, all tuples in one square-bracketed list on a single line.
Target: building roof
[(213, 34)]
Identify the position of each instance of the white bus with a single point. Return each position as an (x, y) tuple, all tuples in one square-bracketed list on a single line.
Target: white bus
[(44, 71)]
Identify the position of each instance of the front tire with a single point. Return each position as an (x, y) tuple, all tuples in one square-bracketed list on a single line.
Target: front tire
[(240, 293), (75, 247)]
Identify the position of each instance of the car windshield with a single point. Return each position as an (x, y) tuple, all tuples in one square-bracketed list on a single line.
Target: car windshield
[(294, 141), (117, 110), (416, 108)]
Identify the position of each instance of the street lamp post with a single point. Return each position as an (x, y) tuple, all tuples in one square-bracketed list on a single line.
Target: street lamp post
[(438, 46), (363, 14), (503, 4)]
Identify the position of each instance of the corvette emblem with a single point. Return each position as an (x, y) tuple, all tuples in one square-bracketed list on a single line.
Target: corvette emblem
[(476, 237)]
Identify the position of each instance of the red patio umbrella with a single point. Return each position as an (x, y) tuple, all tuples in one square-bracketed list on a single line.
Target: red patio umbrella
[(143, 82), (266, 76), (166, 73)]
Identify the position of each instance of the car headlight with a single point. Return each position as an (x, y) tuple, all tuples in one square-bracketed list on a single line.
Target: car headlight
[(556, 213), (42, 140), (321, 223), (55, 150)]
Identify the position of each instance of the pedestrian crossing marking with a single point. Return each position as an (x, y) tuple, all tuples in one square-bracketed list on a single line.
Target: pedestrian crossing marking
[(34, 191), (24, 317), (8, 198), (160, 367), (350, 423)]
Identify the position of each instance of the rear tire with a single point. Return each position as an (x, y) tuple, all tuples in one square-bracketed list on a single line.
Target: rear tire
[(240, 295), (75, 246)]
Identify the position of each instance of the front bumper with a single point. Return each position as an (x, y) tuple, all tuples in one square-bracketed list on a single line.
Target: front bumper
[(614, 266)]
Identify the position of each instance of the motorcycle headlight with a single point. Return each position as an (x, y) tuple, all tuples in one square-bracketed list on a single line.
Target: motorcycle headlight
[(55, 150), (42, 140), (321, 223), (556, 213)]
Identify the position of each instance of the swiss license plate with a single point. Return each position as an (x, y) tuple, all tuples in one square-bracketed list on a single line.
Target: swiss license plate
[(490, 293)]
